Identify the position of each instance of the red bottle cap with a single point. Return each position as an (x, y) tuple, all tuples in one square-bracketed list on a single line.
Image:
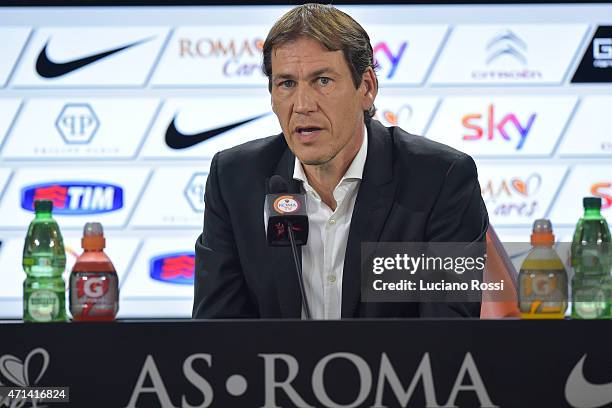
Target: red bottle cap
[(93, 237)]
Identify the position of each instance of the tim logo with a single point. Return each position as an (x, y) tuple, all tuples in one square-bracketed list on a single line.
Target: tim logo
[(74, 198), (509, 128), (174, 268), (603, 190), (392, 57)]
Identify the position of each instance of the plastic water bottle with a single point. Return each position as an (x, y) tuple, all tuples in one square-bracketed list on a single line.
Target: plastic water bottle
[(44, 261), (591, 261)]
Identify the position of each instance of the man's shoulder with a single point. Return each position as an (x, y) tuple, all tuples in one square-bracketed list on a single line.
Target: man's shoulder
[(414, 146), (256, 154), (418, 151)]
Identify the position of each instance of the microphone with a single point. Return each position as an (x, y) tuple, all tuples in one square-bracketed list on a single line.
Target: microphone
[(287, 225), (281, 208)]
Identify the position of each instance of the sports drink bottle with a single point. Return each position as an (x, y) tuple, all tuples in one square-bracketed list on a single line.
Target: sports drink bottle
[(542, 278), (94, 286)]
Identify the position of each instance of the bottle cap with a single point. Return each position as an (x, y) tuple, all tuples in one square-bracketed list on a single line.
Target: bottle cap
[(542, 225), (43, 205), (591, 202), (542, 232), (93, 236)]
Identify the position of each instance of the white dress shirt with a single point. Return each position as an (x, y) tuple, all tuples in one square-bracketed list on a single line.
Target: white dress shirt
[(323, 256)]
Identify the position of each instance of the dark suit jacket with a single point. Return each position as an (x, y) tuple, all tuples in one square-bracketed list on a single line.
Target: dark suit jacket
[(413, 189)]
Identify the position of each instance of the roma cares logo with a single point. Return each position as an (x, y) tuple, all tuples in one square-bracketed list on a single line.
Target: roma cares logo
[(399, 117), (603, 190)]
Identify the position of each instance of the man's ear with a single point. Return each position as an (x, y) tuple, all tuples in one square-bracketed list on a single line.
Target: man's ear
[(369, 87)]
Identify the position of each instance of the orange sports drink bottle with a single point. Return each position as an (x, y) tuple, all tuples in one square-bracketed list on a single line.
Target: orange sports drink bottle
[(542, 288), (94, 285)]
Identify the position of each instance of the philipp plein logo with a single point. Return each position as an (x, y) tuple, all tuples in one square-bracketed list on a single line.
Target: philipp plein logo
[(581, 393), (47, 68), (178, 140)]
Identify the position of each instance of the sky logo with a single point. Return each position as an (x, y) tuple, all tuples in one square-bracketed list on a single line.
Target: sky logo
[(509, 125), (175, 268), (74, 198), (394, 59)]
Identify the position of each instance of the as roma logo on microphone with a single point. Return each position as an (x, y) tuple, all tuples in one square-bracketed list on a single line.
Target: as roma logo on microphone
[(286, 204)]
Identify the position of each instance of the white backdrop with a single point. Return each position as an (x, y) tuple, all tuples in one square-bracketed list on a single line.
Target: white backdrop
[(109, 112)]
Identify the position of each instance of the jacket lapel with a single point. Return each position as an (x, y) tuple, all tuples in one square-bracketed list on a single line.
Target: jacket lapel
[(373, 203), (287, 289)]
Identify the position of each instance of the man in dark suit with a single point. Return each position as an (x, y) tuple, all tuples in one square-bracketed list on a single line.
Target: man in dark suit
[(363, 182)]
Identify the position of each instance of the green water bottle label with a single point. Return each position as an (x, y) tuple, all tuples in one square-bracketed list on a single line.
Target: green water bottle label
[(589, 299), (43, 306)]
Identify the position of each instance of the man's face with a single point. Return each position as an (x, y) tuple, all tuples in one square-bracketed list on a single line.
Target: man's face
[(318, 107)]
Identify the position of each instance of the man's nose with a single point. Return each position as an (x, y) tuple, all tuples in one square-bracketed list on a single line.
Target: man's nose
[(304, 100)]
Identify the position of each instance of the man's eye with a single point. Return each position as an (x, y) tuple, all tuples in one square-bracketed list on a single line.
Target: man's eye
[(324, 81), (287, 83)]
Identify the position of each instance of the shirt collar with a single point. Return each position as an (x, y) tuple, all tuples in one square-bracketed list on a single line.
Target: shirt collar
[(355, 170)]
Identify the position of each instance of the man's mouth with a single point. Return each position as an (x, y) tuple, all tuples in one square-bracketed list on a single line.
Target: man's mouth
[(307, 130)]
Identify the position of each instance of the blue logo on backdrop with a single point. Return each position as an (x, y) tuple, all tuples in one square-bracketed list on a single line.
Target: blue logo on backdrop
[(175, 267), (74, 197)]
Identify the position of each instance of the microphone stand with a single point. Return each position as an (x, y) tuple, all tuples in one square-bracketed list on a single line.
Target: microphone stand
[(298, 268)]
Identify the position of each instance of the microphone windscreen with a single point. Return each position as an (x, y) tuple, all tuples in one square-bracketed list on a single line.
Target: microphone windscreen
[(277, 185)]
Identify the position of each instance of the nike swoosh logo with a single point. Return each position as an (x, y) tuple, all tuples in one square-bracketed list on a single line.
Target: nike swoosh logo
[(177, 140), (580, 393), (47, 68)]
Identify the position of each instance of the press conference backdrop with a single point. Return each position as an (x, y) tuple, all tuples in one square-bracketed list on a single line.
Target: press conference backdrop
[(114, 113)]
